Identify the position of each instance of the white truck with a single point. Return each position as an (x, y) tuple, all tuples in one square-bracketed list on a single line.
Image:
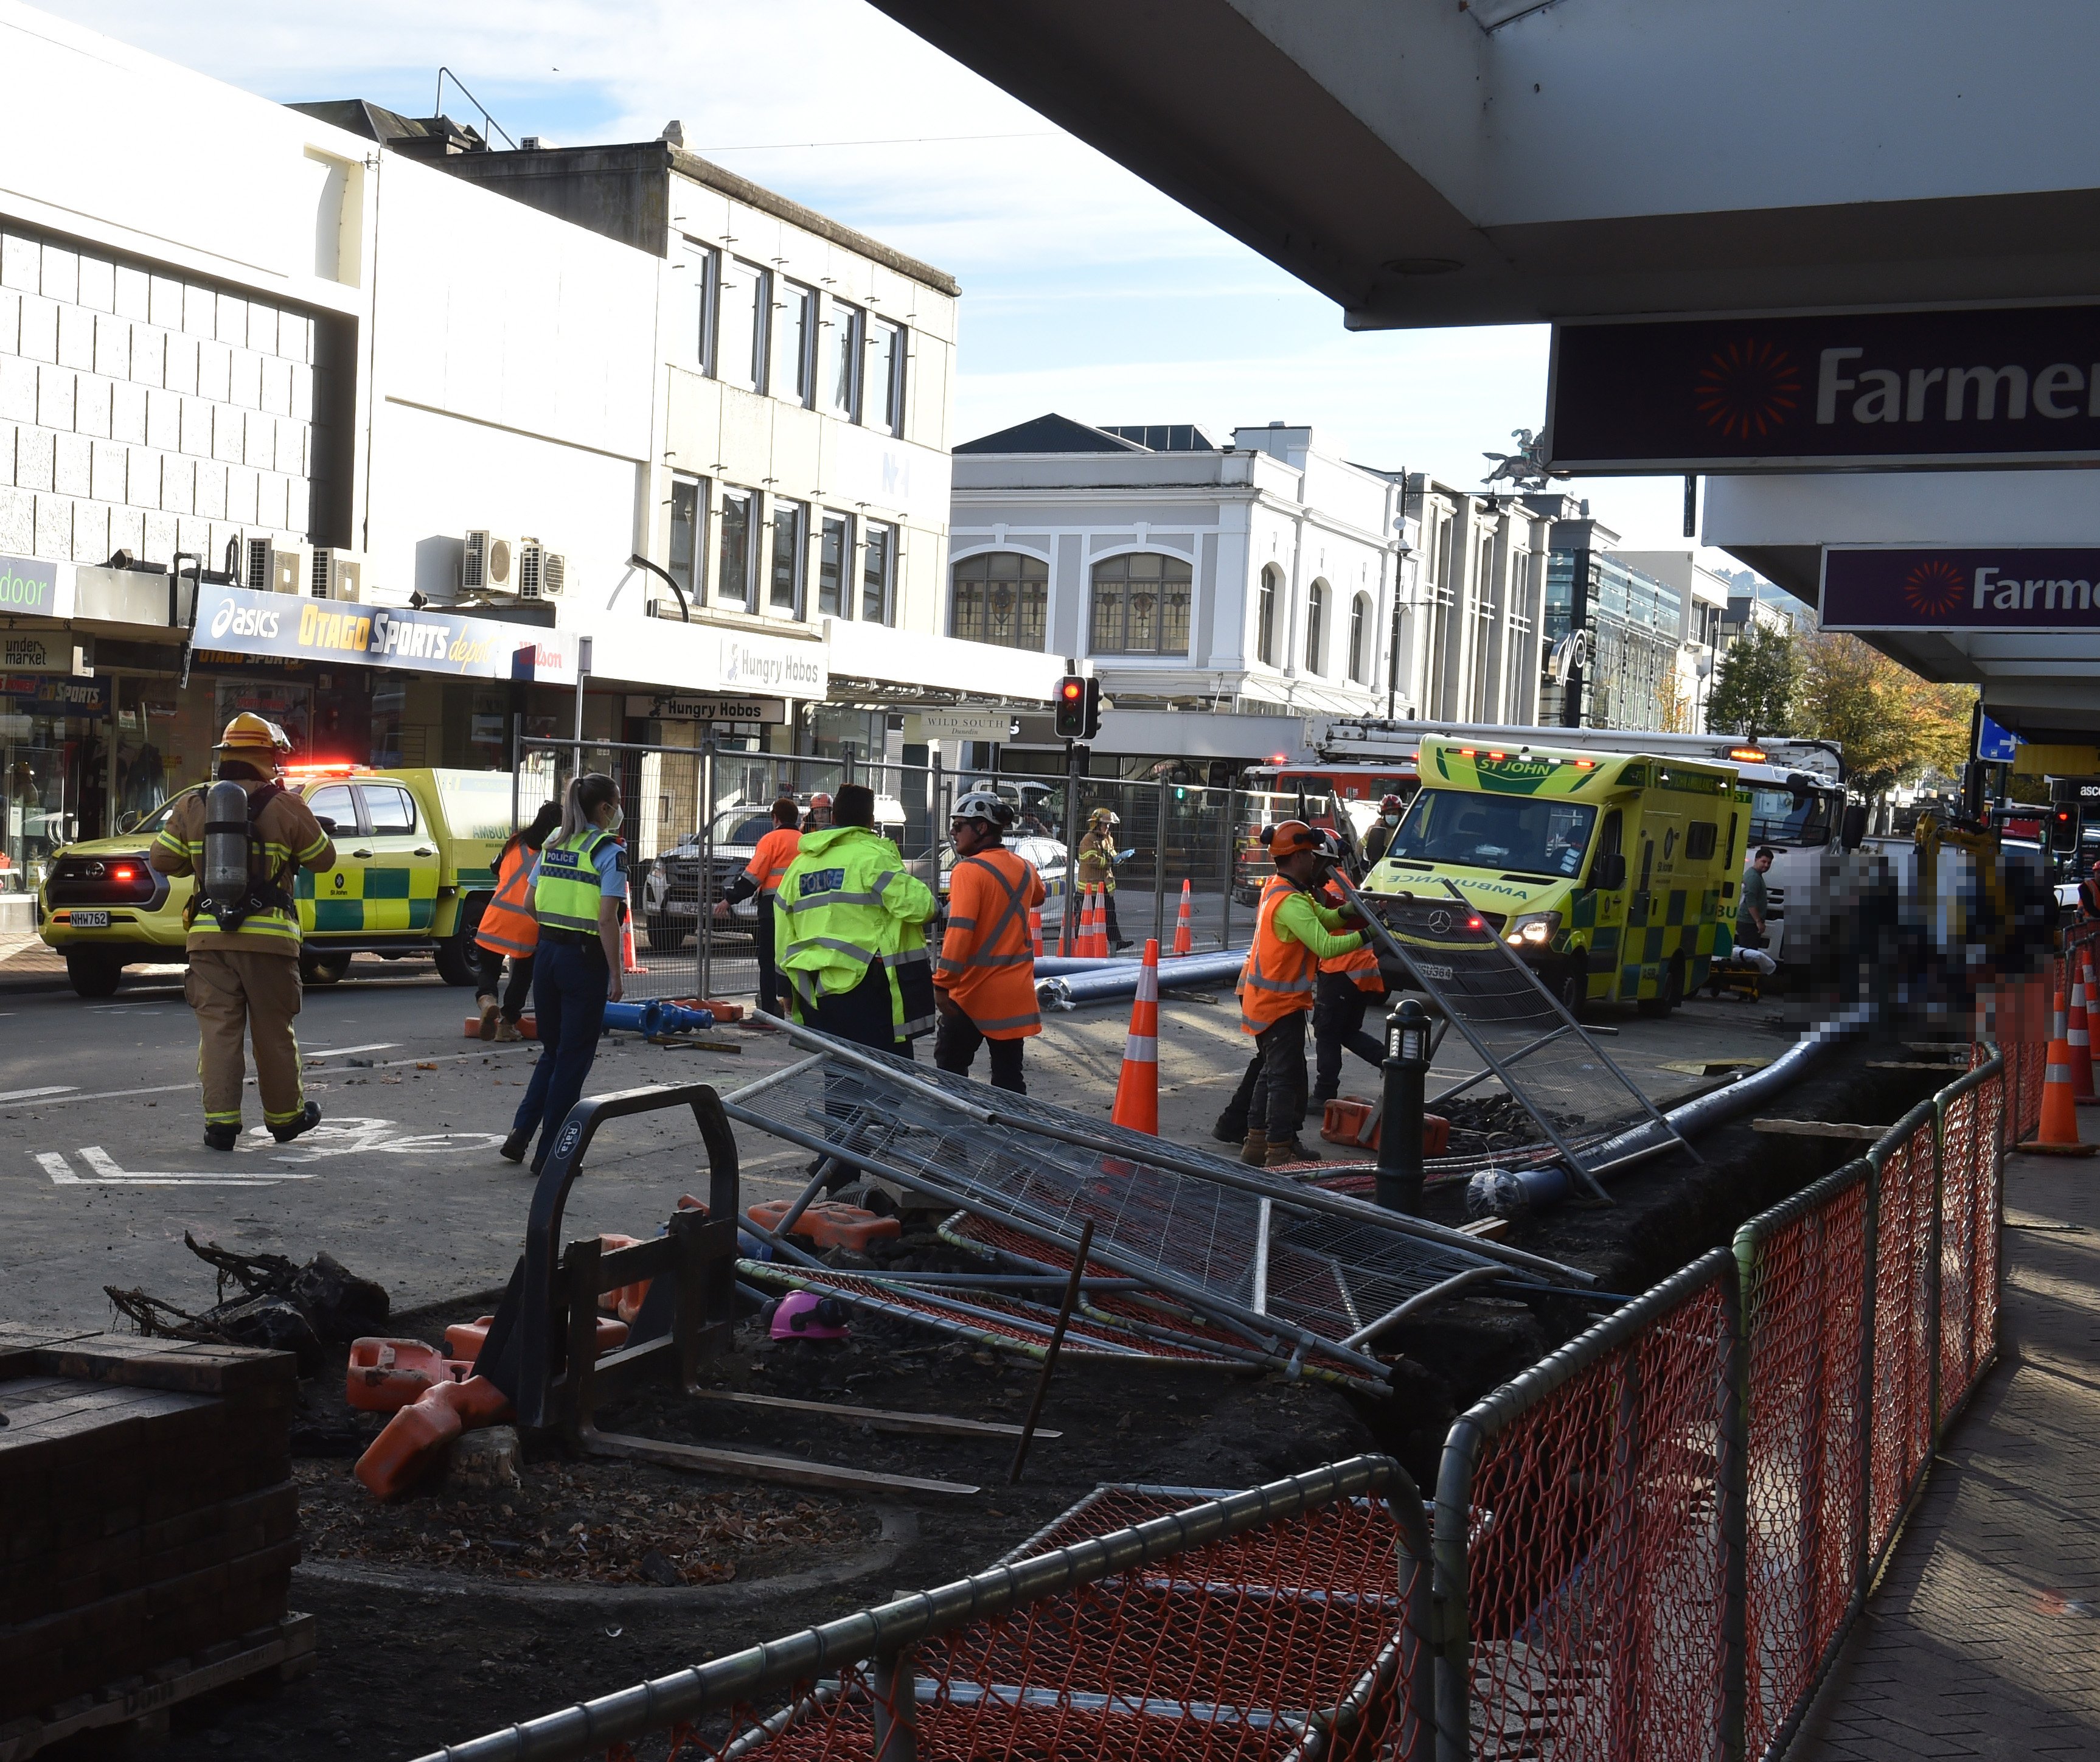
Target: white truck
[(1796, 790)]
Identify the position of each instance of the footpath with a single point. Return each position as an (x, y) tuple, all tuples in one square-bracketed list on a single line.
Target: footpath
[(1983, 1638)]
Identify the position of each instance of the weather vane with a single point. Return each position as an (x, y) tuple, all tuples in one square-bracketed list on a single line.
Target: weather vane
[(1524, 469)]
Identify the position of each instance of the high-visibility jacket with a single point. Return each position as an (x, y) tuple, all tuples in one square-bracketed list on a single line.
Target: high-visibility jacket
[(769, 861), (1360, 964), (987, 962), (565, 896), (846, 903), (284, 837), (507, 924), (1292, 935)]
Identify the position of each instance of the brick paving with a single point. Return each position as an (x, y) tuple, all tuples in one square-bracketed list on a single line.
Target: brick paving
[(1984, 1637)]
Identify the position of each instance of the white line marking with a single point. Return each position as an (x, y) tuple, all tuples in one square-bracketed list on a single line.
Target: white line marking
[(23, 1095), (109, 1173), (390, 1064), (338, 1052)]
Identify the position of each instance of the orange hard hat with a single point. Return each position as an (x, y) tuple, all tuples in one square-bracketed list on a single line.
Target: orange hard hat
[(1292, 836)]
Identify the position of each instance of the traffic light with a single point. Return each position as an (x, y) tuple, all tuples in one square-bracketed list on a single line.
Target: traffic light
[(1076, 715), (2063, 829)]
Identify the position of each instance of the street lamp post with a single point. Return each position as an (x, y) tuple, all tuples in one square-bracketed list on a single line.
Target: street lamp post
[(1399, 1182), (1401, 552)]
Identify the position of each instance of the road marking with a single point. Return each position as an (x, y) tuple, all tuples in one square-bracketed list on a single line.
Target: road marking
[(338, 1052), (390, 1064), (348, 1135), (23, 1095), (107, 1172)]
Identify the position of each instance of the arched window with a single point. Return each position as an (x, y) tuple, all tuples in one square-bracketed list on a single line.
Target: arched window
[(1001, 597), (1360, 639), (1316, 621), (1141, 606), (1264, 615)]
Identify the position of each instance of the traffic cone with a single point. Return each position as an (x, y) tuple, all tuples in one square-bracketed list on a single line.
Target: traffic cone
[(2077, 1035), (1035, 932), (1086, 925), (2058, 1135), (1184, 932), (628, 963), (1137, 1088), (1099, 947)]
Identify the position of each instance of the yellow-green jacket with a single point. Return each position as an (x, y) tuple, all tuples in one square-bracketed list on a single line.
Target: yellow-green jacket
[(846, 902)]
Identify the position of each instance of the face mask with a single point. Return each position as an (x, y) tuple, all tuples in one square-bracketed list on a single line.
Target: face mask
[(1392, 819), (616, 818)]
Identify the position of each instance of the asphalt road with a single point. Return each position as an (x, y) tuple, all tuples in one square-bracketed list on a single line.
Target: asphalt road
[(103, 1166)]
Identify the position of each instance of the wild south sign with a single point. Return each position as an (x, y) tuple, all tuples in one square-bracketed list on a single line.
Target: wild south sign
[(1981, 385), (1916, 588)]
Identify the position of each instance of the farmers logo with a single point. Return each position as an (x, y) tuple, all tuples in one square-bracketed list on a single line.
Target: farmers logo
[(1934, 588), (1748, 389)]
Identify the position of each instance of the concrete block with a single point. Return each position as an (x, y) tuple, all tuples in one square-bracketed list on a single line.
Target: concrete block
[(232, 321), (70, 464), (90, 404), (273, 498), (229, 434), (210, 488), (178, 486), (197, 428), (35, 452), (127, 531), (40, 328), (133, 291), (18, 389), (487, 1459), (199, 311), (91, 532), (8, 432), (276, 378), (112, 346), (214, 371), (182, 370), (239, 495), (59, 277), (55, 528), (258, 440), (193, 534), (107, 463), (127, 411), (10, 322), (164, 302), (262, 321), (76, 337), (19, 263), (18, 528), (164, 419), (55, 388), (159, 537), (243, 379), (98, 284)]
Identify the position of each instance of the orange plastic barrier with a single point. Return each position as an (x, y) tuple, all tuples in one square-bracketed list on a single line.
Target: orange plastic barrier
[(720, 1008), (409, 1446), (626, 1301), (463, 1339), (528, 1026), (1342, 1120), (827, 1223), (385, 1375)]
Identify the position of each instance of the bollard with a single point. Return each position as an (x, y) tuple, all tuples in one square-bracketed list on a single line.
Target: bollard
[(1399, 1180)]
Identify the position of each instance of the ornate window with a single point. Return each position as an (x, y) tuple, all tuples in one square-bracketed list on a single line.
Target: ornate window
[(1264, 615), (1001, 597), (1141, 606)]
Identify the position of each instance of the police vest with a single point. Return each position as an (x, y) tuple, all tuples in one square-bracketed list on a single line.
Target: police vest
[(565, 896)]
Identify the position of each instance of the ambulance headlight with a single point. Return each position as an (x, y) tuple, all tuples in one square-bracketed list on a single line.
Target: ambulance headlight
[(1534, 929)]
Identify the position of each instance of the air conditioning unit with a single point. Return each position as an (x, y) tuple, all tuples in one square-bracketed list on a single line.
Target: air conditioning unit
[(487, 564), (255, 571), (288, 568), (554, 574), (335, 574), (531, 569)]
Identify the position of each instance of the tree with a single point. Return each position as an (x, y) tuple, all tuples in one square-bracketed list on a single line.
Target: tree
[(1754, 684), (1673, 702), (1891, 725)]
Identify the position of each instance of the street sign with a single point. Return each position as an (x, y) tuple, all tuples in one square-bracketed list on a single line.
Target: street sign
[(2006, 587), (1996, 743), (712, 706), (38, 651), (1981, 385), (947, 724)]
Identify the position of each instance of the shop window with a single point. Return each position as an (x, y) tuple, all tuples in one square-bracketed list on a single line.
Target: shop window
[(391, 808), (1141, 606), (833, 559), (789, 519), (1001, 597), (878, 574), (739, 535)]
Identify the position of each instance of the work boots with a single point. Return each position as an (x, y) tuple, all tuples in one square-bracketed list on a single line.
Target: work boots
[(220, 1138), (486, 1005), (1231, 1129), (291, 1128), (1255, 1151), (507, 1029), (1282, 1152)]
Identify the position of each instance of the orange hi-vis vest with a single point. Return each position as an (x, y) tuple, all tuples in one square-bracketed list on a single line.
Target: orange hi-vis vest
[(1361, 964), (987, 960), (1277, 978), (507, 923), (769, 861)]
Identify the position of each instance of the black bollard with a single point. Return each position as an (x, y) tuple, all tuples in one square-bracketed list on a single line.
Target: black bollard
[(1398, 1186)]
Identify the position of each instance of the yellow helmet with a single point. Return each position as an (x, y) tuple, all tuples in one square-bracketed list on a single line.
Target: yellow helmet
[(252, 736)]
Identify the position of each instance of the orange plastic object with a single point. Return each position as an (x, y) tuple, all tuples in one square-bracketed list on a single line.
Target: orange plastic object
[(1342, 1120), (827, 1223), (385, 1375), (624, 1301), (406, 1450), (464, 1339), (720, 1008), (528, 1025)]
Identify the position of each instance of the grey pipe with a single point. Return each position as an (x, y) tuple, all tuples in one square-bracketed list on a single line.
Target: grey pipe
[(1069, 989)]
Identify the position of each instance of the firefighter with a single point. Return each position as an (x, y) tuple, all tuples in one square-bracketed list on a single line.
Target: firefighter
[(507, 929), (761, 876), (1292, 935), (1097, 862), (579, 898), (851, 925), (984, 982), (1379, 837), (244, 958)]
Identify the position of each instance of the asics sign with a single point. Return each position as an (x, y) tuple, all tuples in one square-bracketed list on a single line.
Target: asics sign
[(241, 621)]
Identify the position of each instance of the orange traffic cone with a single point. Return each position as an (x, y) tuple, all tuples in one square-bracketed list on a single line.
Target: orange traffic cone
[(1137, 1088), (1184, 932), (1099, 947), (1086, 925), (2077, 1035), (628, 963), (1035, 932), (2058, 1135)]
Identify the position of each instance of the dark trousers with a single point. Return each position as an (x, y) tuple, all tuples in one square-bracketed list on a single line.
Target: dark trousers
[(863, 1016), (568, 997), (1115, 930), (1339, 1004), (955, 1043), (769, 975), (512, 1001), (1277, 1104)]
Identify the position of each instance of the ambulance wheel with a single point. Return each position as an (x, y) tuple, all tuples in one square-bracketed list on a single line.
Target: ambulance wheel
[(1570, 989), (667, 935), (324, 969), (92, 973), (1672, 993), (458, 963)]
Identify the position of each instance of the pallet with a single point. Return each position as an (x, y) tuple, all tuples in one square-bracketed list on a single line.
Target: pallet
[(142, 1702)]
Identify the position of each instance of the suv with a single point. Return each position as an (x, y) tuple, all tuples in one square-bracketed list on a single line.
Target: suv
[(415, 864)]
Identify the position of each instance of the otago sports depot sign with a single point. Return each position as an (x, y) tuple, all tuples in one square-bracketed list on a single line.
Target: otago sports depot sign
[(240, 620), (1896, 587), (1979, 386)]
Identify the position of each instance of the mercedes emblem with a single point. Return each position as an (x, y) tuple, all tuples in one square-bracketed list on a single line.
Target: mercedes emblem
[(1439, 921)]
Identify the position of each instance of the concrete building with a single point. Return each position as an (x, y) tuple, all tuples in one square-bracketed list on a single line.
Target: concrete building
[(1473, 631), (1702, 635)]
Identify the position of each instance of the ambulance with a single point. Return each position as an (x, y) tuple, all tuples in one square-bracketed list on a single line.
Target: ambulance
[(1613, 875)]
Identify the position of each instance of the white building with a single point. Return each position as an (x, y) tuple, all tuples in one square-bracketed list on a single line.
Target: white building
[(1701, 637)]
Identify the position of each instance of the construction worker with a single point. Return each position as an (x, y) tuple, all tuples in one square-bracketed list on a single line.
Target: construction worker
[(509, 931), (579, 898), (1292, 935), (1343, 991), (1379, 837), (852, 931), (244, 958), (1098, 858), (761, 876), (984, 981), (819, 816)]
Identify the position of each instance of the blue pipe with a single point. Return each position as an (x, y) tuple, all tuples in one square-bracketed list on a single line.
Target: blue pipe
[(655, 1019)]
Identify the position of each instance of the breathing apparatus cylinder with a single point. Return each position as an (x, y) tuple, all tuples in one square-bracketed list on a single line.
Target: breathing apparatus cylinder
[(225, 878)]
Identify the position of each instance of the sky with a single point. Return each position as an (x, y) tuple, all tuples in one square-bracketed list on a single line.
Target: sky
[(1085, 290)]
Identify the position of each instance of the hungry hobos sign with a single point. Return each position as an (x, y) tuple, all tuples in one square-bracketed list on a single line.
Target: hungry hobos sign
[(1921, 588), (1980, 385)]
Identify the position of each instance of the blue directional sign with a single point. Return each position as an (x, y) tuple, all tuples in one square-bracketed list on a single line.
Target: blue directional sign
[(1995, 743)]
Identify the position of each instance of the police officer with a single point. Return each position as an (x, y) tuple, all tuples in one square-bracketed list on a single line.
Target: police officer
[(852, 928), (244, 960), (761, 876), (580, 896), (984, 982), (1292, 935)]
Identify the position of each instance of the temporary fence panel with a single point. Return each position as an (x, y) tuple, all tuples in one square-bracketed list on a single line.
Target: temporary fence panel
[(1902, 1339)]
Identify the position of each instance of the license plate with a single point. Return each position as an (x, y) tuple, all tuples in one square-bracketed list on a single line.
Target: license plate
[(90, 921)]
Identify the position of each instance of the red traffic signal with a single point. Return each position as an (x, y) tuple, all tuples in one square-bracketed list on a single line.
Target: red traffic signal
[(1077, 707)]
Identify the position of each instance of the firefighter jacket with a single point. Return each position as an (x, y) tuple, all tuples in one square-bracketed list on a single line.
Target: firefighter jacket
[(987, 963), (507, 924), (283, 837), (1293, 934), (1096, 864), (846, 903)]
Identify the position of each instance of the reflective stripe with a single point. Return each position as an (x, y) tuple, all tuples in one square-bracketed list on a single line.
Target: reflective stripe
[(1143, 1048), (832, 943), (820, 902), (962, 924), (1033, 1019), (1255, 982)]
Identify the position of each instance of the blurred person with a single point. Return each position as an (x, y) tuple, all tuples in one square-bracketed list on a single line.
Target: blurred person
[(761, 876), (508, 930), (579, 898), (984, 980)]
